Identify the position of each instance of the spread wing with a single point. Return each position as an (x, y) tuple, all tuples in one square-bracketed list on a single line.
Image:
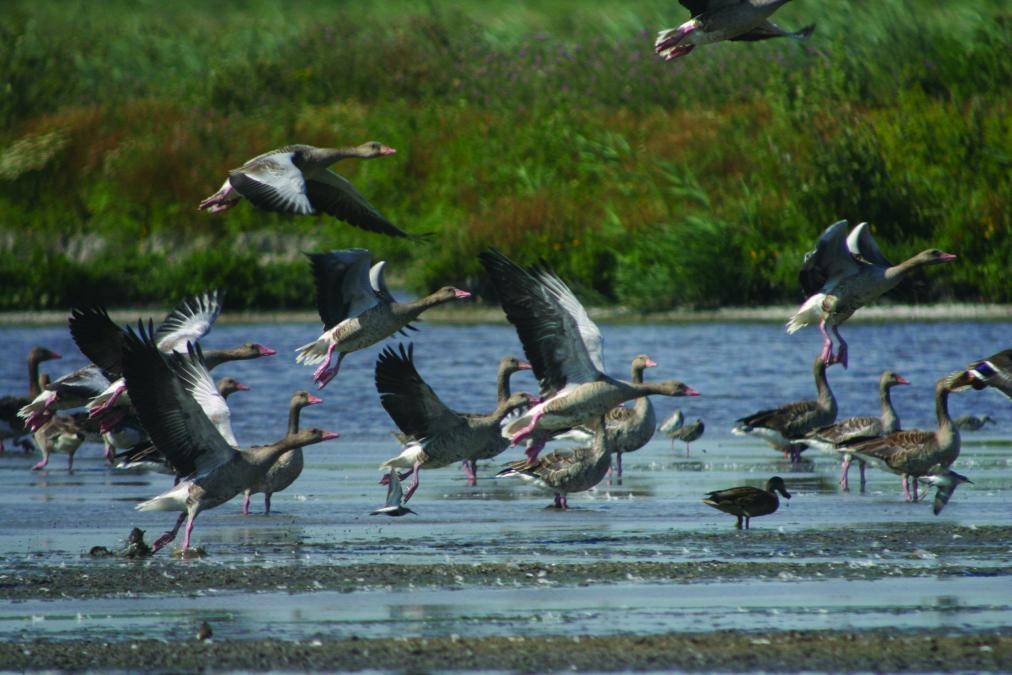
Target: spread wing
[(409, 401), (192, 370), (272, 182), (343, 286), (334, 195), (562, 343), (768, 29), (173, 419), (862, 246), (86, 382), (189, 322), (829, 261), (98, 338), (697, 7)]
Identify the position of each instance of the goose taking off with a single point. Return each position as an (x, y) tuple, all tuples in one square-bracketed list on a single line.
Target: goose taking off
[(440, 436), (747, 502), (844, 273), (782, 427), (827, 438), (394, 506), (719, 20), (295, 179), (358, 309), (213, 471), (12, 426), (564, 348), (994, 371), (288, 466), (567, 471), (913, 454)]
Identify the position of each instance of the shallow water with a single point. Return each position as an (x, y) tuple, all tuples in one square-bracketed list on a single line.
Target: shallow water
[(857, 561)]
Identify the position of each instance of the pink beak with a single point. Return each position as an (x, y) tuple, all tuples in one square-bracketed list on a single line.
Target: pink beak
[(239, 386), (313, 400), (461, 294), (387, 150), (689, 391), (524, 366), (651, 363), (56, 356), (266, 351), (330, 435), (902, 380), (948, 256)]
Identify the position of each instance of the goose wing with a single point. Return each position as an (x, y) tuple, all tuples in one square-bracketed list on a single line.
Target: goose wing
[(697, 7), (829, 261), (784, 419), (335, 195), (192, 370), (343, 286), (862, 246), (562, 343), (189, 322), (768, 29), (86, 382), (273, 182), (98, 338), (410, 402), (852, 427), (173, 419)]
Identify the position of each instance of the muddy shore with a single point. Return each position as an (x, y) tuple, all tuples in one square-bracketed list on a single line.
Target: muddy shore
[(779, 651)]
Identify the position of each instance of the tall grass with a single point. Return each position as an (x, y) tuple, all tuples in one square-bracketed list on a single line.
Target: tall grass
[(547, 129)]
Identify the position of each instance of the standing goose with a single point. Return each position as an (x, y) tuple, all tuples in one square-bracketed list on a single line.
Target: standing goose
[(994, 371), (782, 427), (719, 20), (747, 502), (357, 308), (827, 438), (689, 434), (844, 273), (213, 471), (61, 433), (12, 426), (288, 466), (564, 348), (440, 436), (632, 428), (566, 471), (295, 179), (913, 454)]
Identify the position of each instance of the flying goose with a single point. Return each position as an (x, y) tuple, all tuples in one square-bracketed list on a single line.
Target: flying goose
[(748, 502), (440, 436), (782, 427), (564, 348), (719, 20), (994, 371), (394, 506), (357, 308), (73, 390), (567, 471), (213, 471), (12, 426), (288, 466), (826, 438), (844, 273), (689, 434), (295, 179), (914, 453)]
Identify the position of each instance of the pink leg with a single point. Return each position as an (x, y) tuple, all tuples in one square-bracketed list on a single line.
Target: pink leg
[(168, 536), (533, 450), (558, 501), (330, 373), (827, 344), (385, 480), (109, 402), (565, 502), (267, 503), (222, 200), (414, 482), (528, 430), (109, 454), (189, 529), (41, 464), (841, 352), (322, 368), (906, 488), (245, 503), (470, 470), (844, 470), (914, 481)]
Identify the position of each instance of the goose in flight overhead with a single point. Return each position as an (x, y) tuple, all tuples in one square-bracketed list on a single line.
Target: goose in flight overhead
[(845, 272)]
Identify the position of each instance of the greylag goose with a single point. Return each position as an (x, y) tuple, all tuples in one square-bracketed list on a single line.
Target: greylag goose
[(972, 422), (782, 427), (689, 433), (61, 433), (213, 471), (394, 506), (288, 466), (632, 428), (719, 20), (12, 426), (748, 502), (357, 308), (914, 453), (73, 390), (296, 179), (827, 438), (564, 348), (946, 481), (440, 436), (994, 371), (567, 471), (844, 273)]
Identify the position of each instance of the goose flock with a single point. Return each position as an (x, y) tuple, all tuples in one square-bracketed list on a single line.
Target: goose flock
[(149, 396)]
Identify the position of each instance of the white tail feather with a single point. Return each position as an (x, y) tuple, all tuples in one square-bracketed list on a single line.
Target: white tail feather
[(173, 500), (41, 403), (412, 453), (313, 353), (810, 312)]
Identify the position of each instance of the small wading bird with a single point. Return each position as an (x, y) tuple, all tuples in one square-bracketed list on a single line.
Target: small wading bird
[(394, 506), (747, 502), (357, 309), (844, 273), (719, 20), (946, 482), (689, 434), (295, 179)]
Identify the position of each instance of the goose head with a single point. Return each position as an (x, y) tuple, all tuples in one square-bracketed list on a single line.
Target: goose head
[(40, 354), (229, 385), (511, 364), (309, 437), (931, 256), (890, 379), (673, 388), (373, 149), (302, 398), (448, 293)]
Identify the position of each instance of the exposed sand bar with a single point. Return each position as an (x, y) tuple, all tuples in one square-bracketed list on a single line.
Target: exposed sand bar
[(477, 314)]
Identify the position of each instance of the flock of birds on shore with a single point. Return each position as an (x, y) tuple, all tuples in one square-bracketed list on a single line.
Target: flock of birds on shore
[(149, 393)]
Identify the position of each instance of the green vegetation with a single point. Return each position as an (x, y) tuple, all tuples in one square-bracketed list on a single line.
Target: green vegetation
[(548, 129)]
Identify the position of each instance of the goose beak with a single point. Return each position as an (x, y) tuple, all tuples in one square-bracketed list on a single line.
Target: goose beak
[(523, 365), (902, 380), (651, 363), (387, 150), (313, 400), (239, 386), (460, 295), (946, 257), (54, 355), (689, 391), (266, 351), (330, 435)]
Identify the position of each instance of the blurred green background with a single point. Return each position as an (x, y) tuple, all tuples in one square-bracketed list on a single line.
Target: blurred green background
[(548, 129)]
